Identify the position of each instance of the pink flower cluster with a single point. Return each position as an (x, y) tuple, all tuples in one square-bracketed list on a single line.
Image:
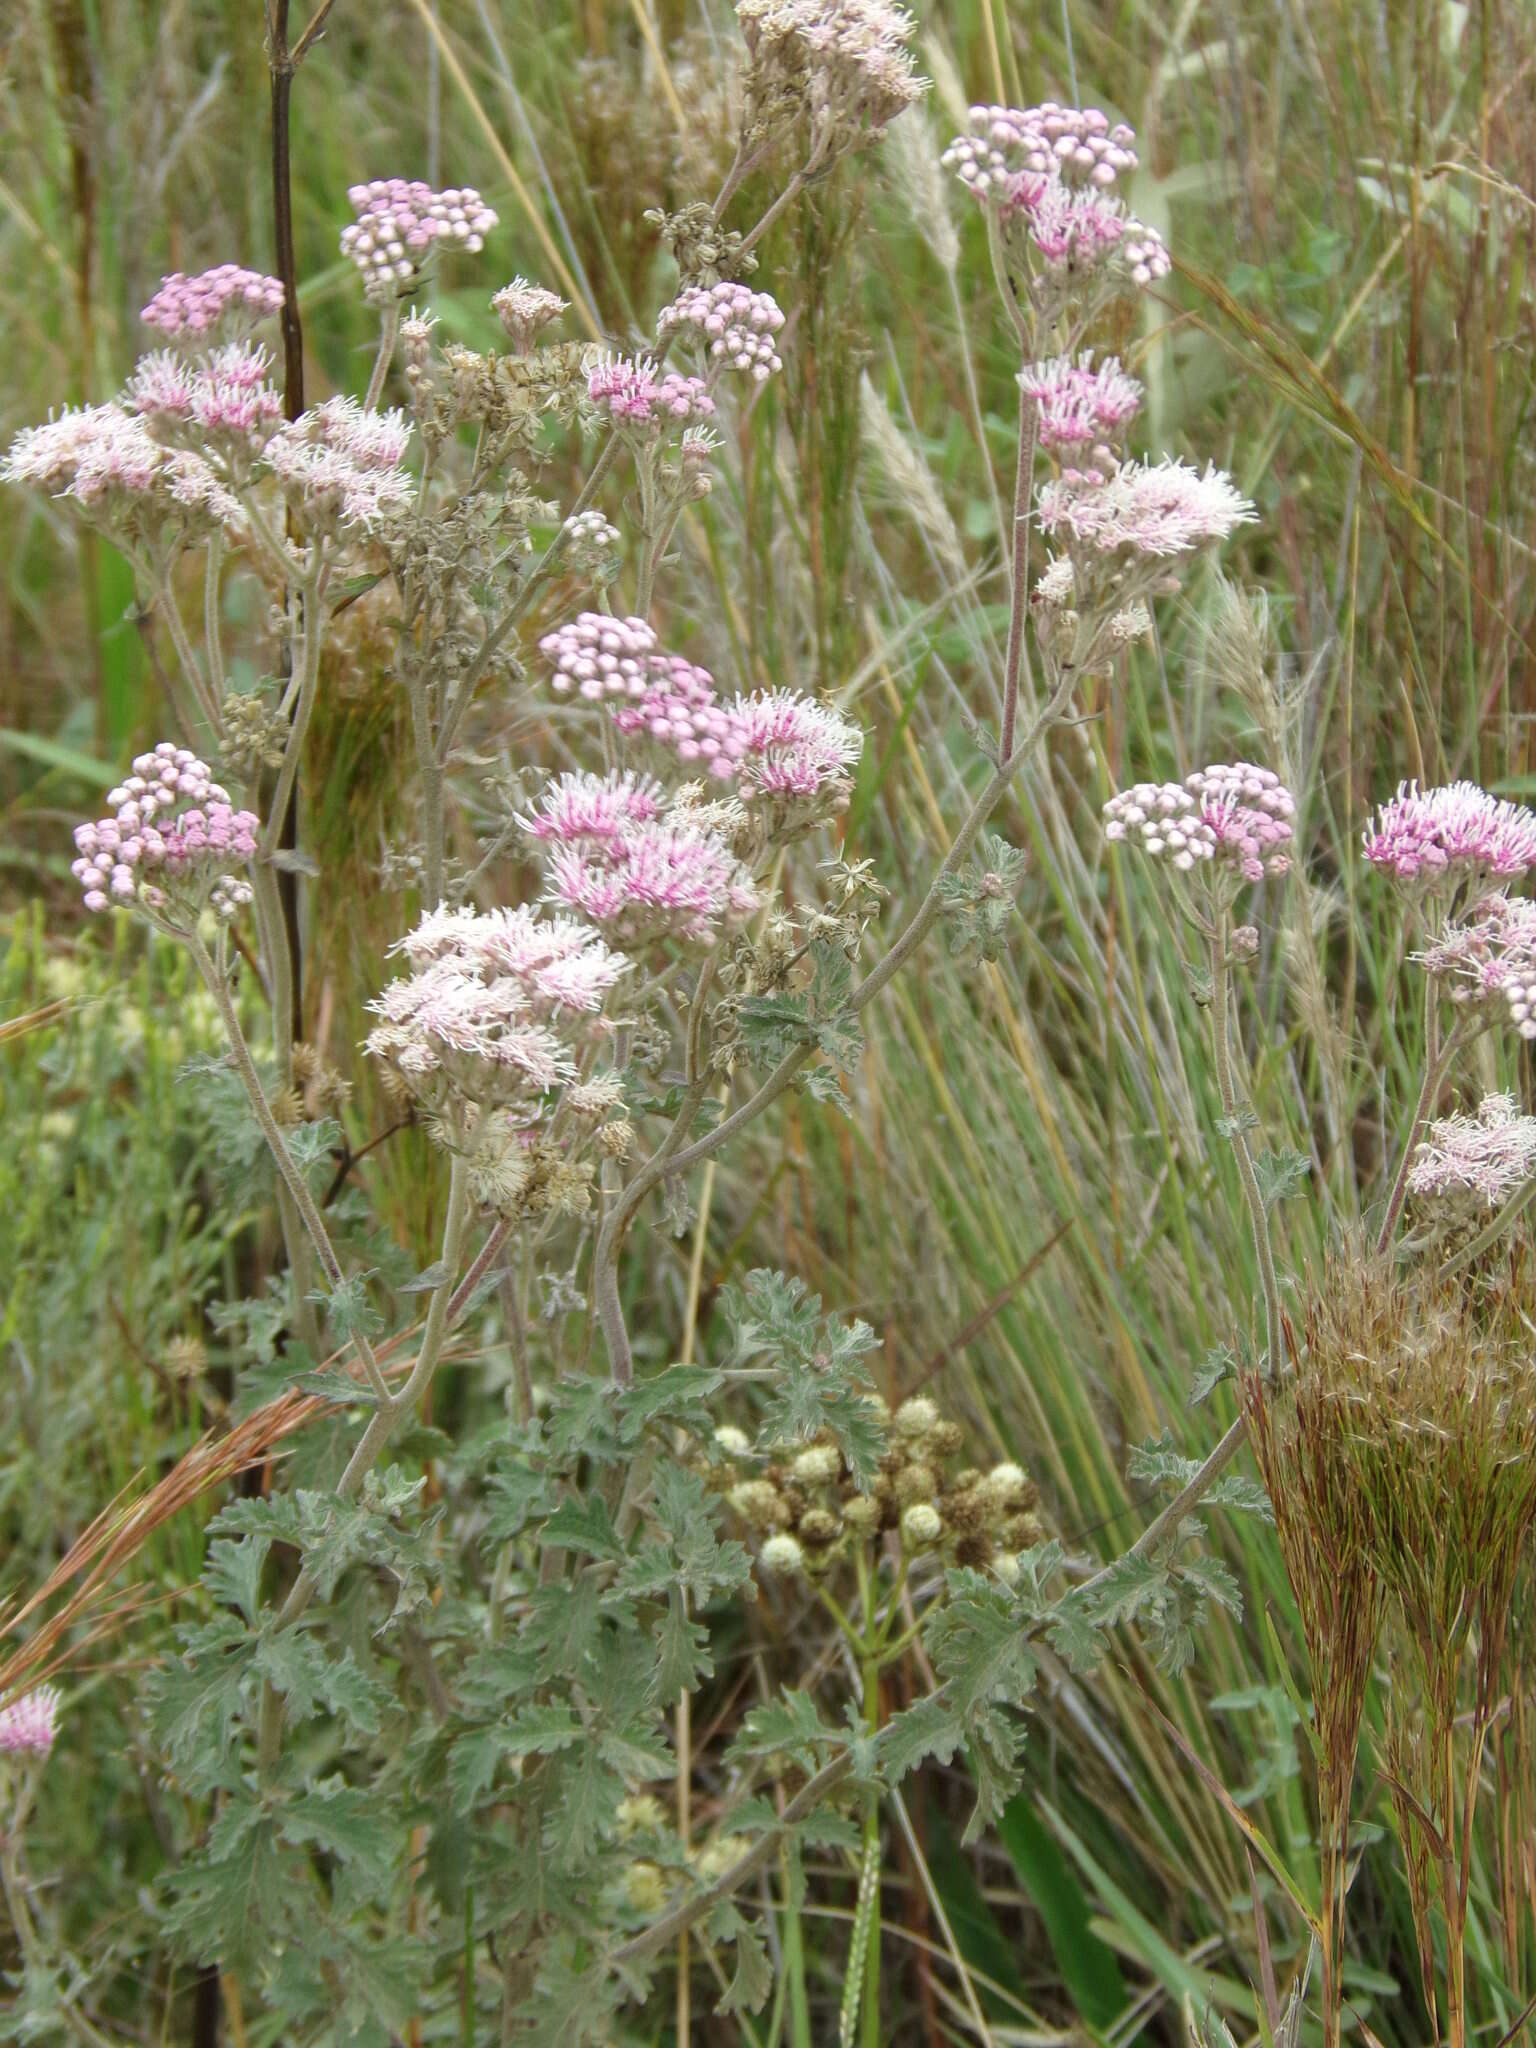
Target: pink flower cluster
[(636, 392), (736, 324), (1439, 838), (785, 745), (1482, 955), (341, 463), (775, 743), (578, 807), (172, 821), (400, 221), (1074, 143), (487, 990), (107, 460), (1234, 817), (1082, 403), (523, 308), (225, 394), (653, 878), (1483, 1159), (28, 1726), (1148, 508), (198, 305)]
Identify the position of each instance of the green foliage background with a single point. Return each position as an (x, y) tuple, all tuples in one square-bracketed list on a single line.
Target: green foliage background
[(1026, 1203)]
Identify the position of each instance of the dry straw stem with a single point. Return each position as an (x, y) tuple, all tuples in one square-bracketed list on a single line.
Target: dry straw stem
[(1399, 1467), (116, 1536)]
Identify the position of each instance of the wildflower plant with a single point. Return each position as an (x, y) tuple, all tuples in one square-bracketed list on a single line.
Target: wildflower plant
[(504, 1658)]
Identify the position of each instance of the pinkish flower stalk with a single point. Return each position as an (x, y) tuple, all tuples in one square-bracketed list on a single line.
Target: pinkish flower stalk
[(1438, 839), (30, 1725), (169, 843), (215, 300), (400, 222), (735, 324), (1080, 404)]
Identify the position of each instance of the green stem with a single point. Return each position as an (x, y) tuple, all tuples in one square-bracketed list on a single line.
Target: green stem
[(1017, 656), (869, 1701), (1221, 1043), (309, 683), (1437, 1059), (277, 1145), (390, 1412)]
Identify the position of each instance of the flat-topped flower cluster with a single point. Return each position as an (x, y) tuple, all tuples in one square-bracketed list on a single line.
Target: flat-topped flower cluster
[(489, 1010)]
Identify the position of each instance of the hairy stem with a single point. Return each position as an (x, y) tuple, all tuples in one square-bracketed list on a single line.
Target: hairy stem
[(1017, 657), (190, 666), (389, 332)]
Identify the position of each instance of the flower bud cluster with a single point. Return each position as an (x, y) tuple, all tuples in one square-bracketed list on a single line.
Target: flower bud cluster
[(1046, 176), (29, 1725), (641, 398), (1233, 819), (172, 836), (1073, 143), (809, 1514), (221, 298), (593, 546), (399, 222), (736, 324), (523, 308)]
